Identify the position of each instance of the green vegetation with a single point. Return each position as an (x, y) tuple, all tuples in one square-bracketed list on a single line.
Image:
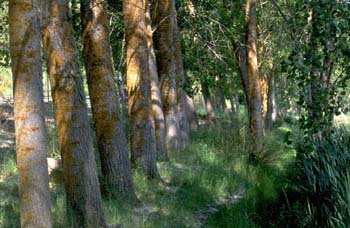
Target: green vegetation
[(215, 175)]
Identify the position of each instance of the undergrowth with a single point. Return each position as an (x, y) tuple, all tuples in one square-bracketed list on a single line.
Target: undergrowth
[(213, 170)]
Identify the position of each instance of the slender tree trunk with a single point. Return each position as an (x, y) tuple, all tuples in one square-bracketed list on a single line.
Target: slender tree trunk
[(164, 46), (157, 106), (242, 60), (255, 112), (211, 119), (221, 101), (264, 88), (192, 114), (271, 113), (235, 105), (143, 145), (79, 167), (111, 140), (180, 80), (29, 114)]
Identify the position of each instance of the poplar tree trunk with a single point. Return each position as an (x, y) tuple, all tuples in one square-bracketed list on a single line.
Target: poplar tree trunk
[(255, 112), (164, 46), (79, 167), (242, 60), (271, 114), (180, 80), (221, 98), (192, 114), (157, 106), (143, 145), (211, 119), (111, 140), (29, 114), (264, 88)]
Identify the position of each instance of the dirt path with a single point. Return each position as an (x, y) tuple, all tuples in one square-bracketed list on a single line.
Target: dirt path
[(211, 209)]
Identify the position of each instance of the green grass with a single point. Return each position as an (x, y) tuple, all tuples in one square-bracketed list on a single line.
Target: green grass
[(6, 81), (214, 169)]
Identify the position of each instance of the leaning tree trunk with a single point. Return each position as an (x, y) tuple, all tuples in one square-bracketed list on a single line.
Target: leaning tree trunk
[(143, 145), (157, 106), (29, 114), (180, 80), (79, 167), (111, 140), (164, 46), (255, 112)]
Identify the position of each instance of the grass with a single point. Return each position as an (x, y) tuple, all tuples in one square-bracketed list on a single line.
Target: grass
[(6, 81), (214, 169)]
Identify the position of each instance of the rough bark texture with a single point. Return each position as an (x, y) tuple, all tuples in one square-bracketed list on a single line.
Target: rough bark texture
[(255, 112), (157, 106), (79, 167), (180, 82), (211, 119), (143, 145), (29, 114), (164, 46), (264, 88), (111, 140)]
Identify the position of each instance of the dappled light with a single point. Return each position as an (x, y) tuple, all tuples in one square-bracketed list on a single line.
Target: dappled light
[(171, 114)]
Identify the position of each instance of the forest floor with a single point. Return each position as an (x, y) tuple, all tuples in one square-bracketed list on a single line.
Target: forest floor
[(211, 185)]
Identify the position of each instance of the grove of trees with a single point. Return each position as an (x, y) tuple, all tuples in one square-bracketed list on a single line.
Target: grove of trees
[(148, 70)]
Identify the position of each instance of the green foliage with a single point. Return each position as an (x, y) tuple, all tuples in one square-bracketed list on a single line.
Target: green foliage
[(318, 61), (327, 180), (4, 35)]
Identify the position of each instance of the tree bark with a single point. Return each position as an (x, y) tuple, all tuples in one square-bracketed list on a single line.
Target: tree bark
[(271, 113), (143, 145), (157, 106), (28, 92), (180, 82), (164, 46), (211, 119), (242, 60), (79, 167), (192, 114), (264, 88), (255, 112), (221, 100), (110, 134)]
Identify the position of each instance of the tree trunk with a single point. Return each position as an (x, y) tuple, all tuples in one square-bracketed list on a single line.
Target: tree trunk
[(211, 119), (180, 82), (271, 113), (157, 106), (111, 140), (255, 112), (164, 46), (29, 114), (264, 88), (221, 101), (79, 167), (143, 145), (192, 114), (242, 60)]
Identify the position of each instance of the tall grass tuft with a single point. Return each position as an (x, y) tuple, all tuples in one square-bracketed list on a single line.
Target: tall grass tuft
[(327, 180)]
